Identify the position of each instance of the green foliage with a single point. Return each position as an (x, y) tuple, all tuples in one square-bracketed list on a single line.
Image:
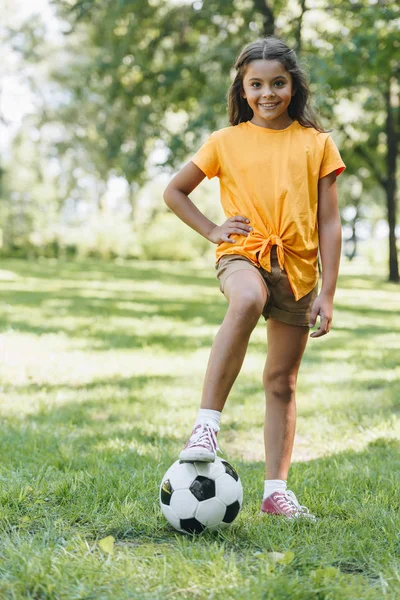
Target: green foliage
[(363, 55), (158, 59), (103, 236), (167, 238)]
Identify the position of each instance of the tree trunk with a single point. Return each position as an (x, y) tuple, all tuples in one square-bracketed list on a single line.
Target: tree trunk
[(132, 198), (390, 188), (351, 244), (262, 7), (299, 26)]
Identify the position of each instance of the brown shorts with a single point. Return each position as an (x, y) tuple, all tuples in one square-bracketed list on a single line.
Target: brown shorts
[(281, 304)]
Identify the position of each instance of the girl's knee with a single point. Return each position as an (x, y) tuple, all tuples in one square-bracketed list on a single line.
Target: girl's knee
[(281, 384), (248, 304)]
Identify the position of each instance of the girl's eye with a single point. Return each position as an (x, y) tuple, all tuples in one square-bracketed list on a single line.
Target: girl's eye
[(278, 82)]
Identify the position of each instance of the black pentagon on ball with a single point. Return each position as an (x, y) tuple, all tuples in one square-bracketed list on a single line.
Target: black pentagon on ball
[(230, 470), (166, 492), (203, 488), (231, 512), (192, 525)]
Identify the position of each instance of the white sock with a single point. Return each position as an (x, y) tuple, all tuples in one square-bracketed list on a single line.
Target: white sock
[(273, 485), (206, 415)]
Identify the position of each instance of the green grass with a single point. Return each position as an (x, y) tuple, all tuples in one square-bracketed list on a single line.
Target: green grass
[(101, 374)]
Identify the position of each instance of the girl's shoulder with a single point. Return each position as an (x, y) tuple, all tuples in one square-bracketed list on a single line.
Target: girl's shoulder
[(319, 136), (313, 132), (314, 138), (225, 132)]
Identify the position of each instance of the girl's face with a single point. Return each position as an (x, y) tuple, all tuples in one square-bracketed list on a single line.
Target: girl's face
[(268, 90)]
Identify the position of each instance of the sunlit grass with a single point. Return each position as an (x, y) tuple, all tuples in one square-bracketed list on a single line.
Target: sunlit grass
[(101, 374)]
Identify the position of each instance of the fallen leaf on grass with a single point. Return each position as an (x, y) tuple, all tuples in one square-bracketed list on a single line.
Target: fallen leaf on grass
[(25, 519), (282, 558), (324, 575), (107, 544), (286, 558)]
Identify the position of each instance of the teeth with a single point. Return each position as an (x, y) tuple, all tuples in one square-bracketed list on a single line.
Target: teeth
[(268, 105)]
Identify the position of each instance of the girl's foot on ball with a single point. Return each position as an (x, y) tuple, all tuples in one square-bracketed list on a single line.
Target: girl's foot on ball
[(202, 445)]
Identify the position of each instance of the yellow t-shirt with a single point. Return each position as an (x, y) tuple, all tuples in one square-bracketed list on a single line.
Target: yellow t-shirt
[(271, 177)]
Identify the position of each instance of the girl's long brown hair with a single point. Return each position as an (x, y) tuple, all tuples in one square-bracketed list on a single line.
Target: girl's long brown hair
[(271, 48)]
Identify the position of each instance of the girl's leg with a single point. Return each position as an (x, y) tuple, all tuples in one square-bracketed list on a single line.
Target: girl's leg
[(286, 345), (247, 296)]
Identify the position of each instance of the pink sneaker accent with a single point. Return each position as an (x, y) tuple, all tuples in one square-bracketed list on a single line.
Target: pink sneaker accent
[(202, 445), (286, 504)]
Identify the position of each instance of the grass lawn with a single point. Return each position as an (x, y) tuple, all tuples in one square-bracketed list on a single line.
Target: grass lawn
[(101, 374)]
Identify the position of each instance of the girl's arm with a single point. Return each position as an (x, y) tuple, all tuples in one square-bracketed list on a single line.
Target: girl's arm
[(330, 240), (177, 199)]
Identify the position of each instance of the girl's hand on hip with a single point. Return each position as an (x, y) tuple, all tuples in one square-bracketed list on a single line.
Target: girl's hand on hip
[(323, 306), (237, 224)]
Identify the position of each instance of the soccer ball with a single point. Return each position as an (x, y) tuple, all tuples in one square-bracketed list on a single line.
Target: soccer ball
[(198, 496)]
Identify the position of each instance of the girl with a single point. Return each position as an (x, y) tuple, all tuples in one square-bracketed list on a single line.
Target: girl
[(277, 169)]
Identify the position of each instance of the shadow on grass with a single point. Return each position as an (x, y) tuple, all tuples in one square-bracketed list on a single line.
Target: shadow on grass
[(165, 272), (366, 282), (92, 314), (93, 318), (121, 340), (135, 384), (133, 393), (366, 311)]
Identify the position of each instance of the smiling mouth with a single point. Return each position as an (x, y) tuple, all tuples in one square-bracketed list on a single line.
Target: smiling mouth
[(269, 104)]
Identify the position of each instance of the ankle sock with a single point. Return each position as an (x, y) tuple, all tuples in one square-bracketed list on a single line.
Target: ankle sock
[(274, 485), (206, 415)]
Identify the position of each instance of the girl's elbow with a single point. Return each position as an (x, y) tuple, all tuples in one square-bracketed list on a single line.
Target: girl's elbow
[(167, 195)]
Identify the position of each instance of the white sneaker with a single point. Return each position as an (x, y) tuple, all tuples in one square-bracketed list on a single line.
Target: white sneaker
[(202, 445)]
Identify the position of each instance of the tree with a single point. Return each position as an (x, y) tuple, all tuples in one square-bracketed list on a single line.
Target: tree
[(364, 63), (157, 62)]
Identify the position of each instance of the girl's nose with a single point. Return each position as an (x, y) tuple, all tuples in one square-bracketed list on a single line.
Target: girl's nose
[(267, 93)]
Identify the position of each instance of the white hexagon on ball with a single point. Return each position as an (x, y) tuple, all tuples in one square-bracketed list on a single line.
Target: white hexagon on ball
[(227, 489), (182, 475), (211, 470), (210, 512), (183, 504)]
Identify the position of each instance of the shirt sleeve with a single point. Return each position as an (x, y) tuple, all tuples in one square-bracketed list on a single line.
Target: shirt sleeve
[(331, 160), (207, 159)]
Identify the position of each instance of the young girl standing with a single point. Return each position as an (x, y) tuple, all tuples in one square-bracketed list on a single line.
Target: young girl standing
[(277, 170)]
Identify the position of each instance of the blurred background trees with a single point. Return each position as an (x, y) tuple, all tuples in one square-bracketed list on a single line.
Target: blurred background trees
[(124, 92)]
